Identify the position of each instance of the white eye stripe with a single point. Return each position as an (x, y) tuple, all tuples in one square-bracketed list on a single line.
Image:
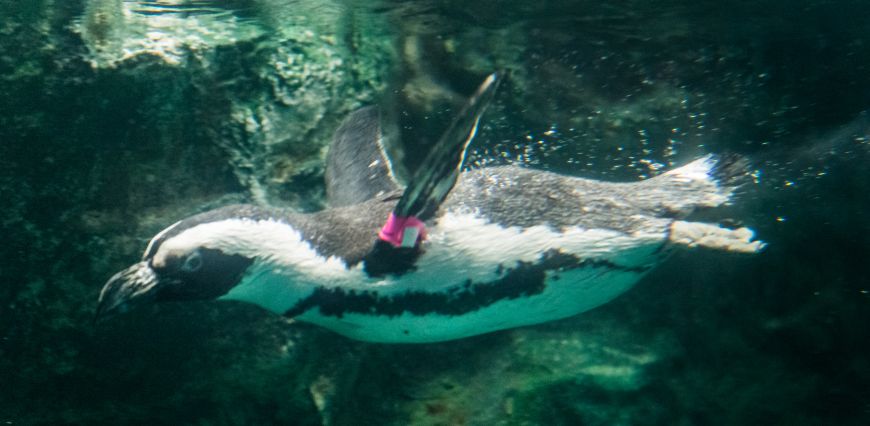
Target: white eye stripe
[(148, 250)]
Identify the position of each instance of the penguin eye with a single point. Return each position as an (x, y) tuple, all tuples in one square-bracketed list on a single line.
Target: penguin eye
[(193, 262)]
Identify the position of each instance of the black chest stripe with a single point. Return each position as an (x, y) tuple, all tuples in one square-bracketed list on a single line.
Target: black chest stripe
[(523, 280)]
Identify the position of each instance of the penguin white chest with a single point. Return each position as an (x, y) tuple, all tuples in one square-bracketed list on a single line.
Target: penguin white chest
[(476, 277)]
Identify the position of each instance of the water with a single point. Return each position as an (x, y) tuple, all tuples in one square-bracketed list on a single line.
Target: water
[(119, 117), (187, 8)]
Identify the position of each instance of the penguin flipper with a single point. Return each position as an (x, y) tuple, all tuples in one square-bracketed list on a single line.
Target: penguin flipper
[(397, 246), (357, 166), (439, 171)]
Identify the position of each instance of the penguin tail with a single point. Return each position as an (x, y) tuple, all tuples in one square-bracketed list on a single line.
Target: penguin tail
[(726, 171), (709, 181), (730, 170)]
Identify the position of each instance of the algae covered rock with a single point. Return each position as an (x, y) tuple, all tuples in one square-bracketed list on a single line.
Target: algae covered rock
[(581, 370), (113, 126), (270, 82)]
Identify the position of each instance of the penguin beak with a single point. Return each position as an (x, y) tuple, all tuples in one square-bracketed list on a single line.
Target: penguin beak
[(131, 287)]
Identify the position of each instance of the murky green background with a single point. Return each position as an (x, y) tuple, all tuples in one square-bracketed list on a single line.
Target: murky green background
[(118, 118)]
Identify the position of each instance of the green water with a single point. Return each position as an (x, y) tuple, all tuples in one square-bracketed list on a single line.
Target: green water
[(118, 118)]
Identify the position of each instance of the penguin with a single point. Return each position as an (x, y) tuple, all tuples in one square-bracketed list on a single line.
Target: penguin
[(450, 255)]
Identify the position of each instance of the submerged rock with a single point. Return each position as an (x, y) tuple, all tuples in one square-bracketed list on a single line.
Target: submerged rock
[(557, 373), (108, 136), (270, 83)]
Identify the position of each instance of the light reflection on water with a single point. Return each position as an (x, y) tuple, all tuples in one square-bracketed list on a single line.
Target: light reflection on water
[(187, 7)]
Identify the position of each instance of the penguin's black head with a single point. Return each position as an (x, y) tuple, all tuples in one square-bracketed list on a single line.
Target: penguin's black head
[(175, 266)]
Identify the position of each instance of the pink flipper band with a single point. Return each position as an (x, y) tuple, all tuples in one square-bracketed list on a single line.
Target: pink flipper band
[(403, 231)]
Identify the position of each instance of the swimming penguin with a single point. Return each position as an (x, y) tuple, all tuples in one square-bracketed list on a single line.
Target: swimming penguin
[(451, 255)]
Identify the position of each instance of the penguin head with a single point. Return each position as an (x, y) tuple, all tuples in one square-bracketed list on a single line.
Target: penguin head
[(178, 265)]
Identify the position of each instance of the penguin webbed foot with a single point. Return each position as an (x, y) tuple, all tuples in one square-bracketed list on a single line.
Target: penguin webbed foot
[(699, 234)]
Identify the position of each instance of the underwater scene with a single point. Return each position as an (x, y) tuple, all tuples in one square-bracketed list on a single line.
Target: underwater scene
[(385, 212)]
